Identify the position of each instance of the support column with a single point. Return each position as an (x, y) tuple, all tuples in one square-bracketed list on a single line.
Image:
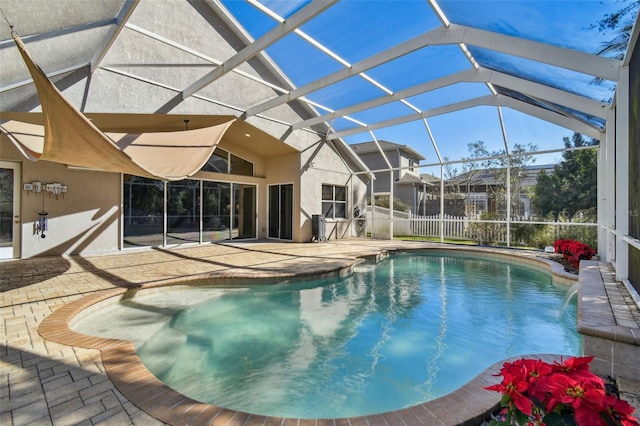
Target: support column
[(606, 191), (622, 175), (441, 203)]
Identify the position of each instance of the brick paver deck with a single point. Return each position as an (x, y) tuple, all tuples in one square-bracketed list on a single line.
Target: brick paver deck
[(72, 379)]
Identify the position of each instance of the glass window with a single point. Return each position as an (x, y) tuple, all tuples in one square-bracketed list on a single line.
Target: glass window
[(327, 193), (196, 211), (143, 211), (222, 161), (281, 211), (216, 211), (240, 166), (183, 211), (218, 162), (334, 201), (244, 214)]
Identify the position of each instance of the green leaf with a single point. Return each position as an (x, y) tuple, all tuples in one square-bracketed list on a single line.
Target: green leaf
[(555, 419), (521, 418)]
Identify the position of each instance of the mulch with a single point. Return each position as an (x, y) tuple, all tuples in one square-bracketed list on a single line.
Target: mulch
[(568, 267)]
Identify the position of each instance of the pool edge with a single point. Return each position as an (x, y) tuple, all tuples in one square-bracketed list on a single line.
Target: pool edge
[(472, 404)]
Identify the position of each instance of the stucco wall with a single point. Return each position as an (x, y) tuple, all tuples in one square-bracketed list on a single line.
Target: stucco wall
[(94, 198), (321, 165), (84, 220)]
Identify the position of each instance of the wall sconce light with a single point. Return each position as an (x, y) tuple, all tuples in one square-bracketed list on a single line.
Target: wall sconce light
[(55, 188)]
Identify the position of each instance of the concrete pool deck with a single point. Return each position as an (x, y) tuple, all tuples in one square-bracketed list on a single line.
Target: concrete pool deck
[(68, 378)]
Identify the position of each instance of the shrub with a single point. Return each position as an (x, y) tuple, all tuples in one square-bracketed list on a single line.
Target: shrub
[(487, 233)]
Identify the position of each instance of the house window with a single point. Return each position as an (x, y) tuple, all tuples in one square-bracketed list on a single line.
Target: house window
[(222, 161), (411, 163), (334, 201)]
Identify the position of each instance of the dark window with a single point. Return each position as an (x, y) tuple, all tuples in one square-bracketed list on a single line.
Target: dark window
[(334, 201), (240, 166), (143, 211), (222, 161), (218, 162)]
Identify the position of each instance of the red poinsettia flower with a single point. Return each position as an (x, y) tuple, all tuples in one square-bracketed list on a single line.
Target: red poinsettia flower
[(573, 251), (535, 368), (574, 363), (586, 397), (514, 385), (536, 388), (619, 411)]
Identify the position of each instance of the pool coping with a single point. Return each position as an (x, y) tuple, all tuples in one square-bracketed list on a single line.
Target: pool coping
[(465, 406)]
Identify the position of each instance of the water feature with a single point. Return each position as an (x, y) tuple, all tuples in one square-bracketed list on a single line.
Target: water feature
[(572, 292)]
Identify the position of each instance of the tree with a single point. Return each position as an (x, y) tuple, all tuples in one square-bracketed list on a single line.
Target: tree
[(518, 162), (621, 23), (573, 185), (487, 170)]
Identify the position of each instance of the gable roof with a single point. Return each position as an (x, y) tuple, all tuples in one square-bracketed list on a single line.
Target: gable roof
[(492, 176), (386, 146)]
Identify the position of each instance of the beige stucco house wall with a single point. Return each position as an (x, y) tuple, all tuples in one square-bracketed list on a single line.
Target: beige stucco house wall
[(89, 217)]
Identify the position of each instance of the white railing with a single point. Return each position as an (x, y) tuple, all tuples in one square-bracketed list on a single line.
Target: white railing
[(455, 227), (410, 224), (429, 226)]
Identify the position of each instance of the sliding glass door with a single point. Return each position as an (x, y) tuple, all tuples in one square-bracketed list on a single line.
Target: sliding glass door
[(244, 217), (187, 211), (143, 212), (183, 212), (281, 211), (216, 211)]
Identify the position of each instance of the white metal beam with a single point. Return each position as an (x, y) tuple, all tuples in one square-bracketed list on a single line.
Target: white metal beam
[(49, 75), (432, 139), (555, 118), (431, 37), (235, 26), (466, 75), (302, 16), (484, 100), (488, 100), (536, 90), (622, 176), (548, 94), (455, 34), (121, 20), (586, 63)]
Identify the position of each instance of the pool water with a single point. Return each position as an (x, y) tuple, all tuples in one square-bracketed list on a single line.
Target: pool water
[(404, 331)]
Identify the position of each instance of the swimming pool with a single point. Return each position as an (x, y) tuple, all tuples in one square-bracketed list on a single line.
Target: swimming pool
[(393, 334)]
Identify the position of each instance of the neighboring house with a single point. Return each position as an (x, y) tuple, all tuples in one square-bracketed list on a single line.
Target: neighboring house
[(408, 186), (478, 188), (263, 181)]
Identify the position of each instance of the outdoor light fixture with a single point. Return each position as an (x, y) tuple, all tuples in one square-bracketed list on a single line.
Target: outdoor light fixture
[(55, 188)]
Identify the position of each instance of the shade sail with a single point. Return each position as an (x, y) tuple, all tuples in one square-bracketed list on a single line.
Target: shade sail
[(67, 136)]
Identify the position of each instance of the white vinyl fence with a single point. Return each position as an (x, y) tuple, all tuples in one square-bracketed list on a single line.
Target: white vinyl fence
[(455, 227), (411, 224)]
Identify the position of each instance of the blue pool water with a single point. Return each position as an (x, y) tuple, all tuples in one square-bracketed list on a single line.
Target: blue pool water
[(407, 330)]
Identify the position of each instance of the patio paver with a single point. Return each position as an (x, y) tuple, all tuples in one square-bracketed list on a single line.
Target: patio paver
[(89, 380)]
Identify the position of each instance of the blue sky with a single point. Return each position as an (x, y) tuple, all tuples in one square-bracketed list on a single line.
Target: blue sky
[(358, 29)]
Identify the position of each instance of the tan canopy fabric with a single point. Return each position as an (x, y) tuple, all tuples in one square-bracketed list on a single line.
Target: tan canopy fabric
[(66, 136)]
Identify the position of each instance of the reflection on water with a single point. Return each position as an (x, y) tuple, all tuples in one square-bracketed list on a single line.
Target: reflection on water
[(410, 329)]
